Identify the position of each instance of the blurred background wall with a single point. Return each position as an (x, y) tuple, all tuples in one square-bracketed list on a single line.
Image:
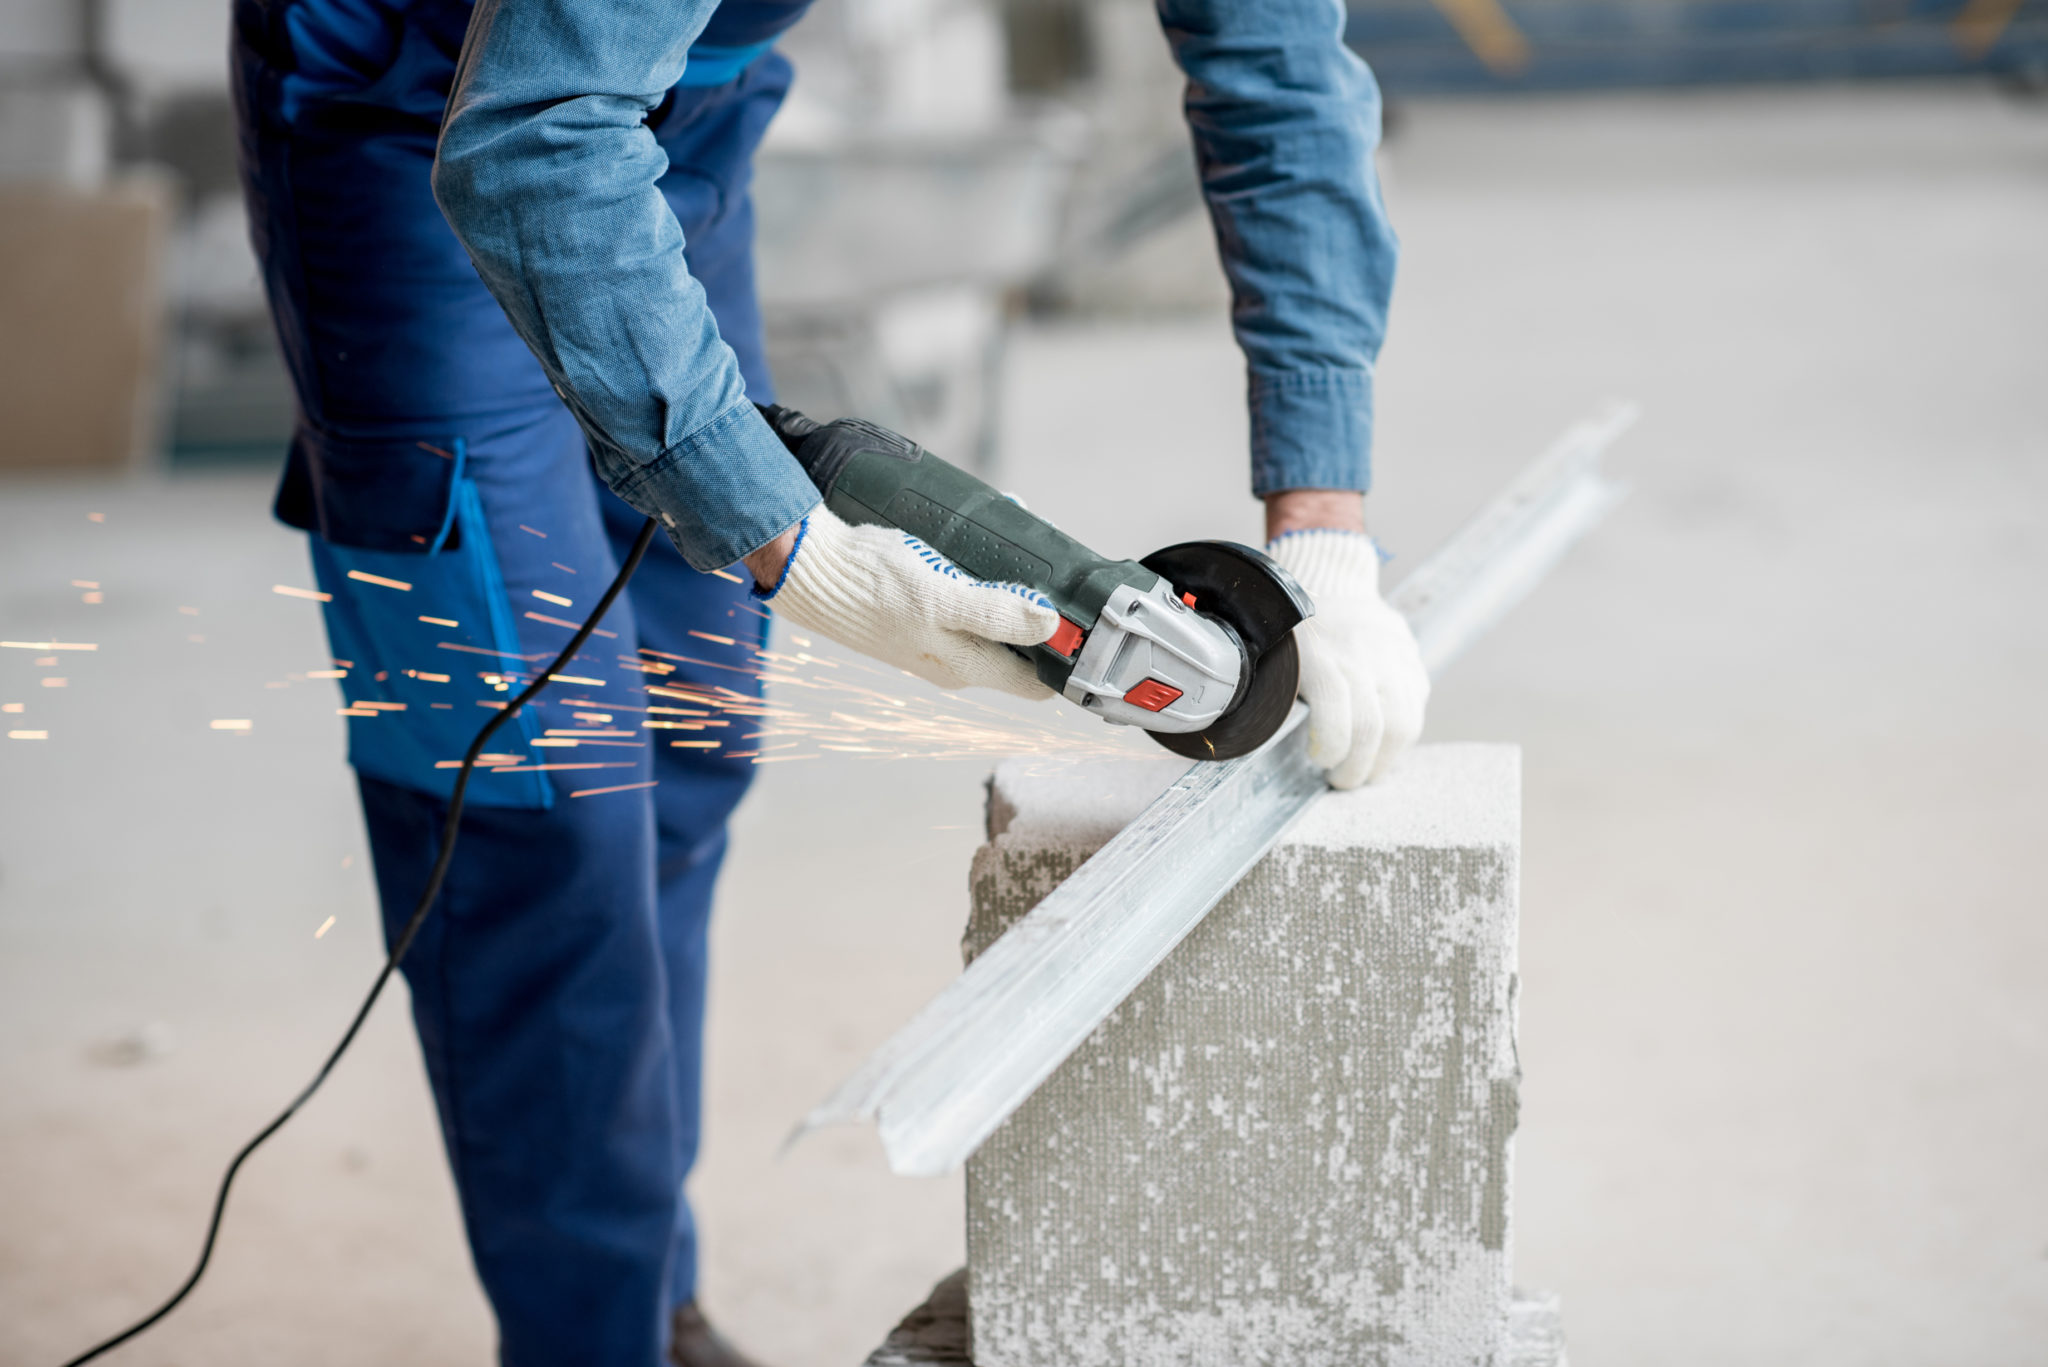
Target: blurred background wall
[(943, 166)]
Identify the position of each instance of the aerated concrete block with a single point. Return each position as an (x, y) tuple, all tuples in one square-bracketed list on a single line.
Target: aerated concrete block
[(1291, 1144)]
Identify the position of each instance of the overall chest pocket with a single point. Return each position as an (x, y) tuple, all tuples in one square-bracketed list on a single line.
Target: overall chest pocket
[(417, 613)]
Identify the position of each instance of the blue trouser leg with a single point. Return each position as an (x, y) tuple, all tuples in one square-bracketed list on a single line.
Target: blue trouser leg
[(697, 789), (558, 986)]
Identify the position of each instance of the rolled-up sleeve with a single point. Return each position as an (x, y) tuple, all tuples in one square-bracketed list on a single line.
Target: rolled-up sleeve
[(1285, 120), (547, 172)]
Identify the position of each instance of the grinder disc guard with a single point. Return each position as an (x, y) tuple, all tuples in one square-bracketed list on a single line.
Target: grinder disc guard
[(1261, 604)]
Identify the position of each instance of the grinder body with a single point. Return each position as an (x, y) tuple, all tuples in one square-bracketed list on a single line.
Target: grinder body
[(1193, 644)]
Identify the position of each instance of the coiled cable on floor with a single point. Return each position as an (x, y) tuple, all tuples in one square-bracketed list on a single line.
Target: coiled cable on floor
[(451, 827)]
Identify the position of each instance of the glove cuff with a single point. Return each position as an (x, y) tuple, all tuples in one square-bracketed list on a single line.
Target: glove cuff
[(1324, 558)]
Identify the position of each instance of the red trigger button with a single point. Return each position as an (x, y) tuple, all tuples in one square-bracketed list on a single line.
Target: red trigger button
[(1152, 695), (1067, 639), (1188, 598)]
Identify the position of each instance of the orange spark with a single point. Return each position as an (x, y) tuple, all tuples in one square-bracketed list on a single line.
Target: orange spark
[(291, 592), (501, 654), (573, 626), (557, 599), (622, 788), (380, 580)]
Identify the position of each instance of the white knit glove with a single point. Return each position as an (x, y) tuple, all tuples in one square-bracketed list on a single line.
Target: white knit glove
[(887, 594), (1361, 674)]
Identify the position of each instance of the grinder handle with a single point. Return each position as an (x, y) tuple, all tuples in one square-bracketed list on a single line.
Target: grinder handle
[(869, 474)]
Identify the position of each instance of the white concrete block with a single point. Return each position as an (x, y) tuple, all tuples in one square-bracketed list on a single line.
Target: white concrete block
[(1291, 1144)]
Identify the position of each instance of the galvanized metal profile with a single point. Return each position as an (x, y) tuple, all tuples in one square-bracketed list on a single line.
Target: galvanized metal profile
[(964, 1064), (1497, 558)]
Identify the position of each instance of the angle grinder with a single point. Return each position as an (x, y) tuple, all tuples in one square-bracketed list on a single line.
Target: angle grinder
[(1194, 644)]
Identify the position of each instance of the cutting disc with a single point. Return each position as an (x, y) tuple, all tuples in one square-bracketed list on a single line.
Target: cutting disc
[(1261, 605)]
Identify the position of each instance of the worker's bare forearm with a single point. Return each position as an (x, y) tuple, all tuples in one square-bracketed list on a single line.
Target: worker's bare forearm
[(1300, 510), (767, 561)]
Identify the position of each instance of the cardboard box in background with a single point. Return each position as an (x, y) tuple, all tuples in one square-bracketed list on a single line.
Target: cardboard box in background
[(81, 323)]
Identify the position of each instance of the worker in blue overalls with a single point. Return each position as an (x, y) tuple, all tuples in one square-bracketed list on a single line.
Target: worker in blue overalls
[(488, 413)]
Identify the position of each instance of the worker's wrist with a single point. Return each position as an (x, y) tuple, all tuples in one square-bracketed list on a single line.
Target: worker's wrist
[(1301, 510), (771, 561)]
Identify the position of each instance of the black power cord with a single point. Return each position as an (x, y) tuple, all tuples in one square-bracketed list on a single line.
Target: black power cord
[(450, 829)]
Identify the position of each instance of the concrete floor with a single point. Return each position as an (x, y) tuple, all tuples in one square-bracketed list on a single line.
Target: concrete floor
[(1785, 1020)]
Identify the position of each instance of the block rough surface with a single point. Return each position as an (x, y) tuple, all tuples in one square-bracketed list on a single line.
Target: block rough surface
[(1291, 1144), (935, 1334)]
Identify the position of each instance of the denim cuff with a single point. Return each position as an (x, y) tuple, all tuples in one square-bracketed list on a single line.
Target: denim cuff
[(1311, 430), (727, 489)]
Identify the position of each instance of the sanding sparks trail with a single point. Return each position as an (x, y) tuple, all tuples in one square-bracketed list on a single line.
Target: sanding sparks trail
[(325, 926), (842, 706)]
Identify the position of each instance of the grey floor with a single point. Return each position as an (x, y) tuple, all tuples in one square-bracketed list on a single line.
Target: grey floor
[(1785, 942)]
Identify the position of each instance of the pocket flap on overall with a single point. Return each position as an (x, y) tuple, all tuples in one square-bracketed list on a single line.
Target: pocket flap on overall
[(394, 494)]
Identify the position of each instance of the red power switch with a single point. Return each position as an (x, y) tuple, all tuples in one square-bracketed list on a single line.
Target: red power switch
[(1152, 695), (1188, 598), (1067, 639)]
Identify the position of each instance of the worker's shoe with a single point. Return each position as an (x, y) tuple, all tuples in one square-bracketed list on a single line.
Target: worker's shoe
[(694, 1343)]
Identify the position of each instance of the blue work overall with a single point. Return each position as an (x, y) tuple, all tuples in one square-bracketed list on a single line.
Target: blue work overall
[(558, 986)]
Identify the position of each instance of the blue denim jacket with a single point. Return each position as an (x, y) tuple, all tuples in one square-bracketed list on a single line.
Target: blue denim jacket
[(547, 173)]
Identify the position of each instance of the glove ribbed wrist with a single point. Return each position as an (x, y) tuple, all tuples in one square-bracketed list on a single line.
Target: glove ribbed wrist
[(1328, 558)]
